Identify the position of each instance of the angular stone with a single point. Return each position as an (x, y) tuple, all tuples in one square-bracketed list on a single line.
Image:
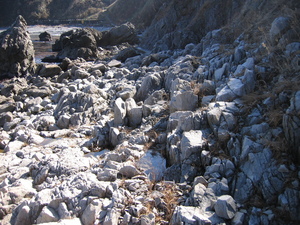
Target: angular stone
[(91, 212), (236, 86), (113, 136), (225, 207), (135, 116), (225, 94), (47, 215), (119, 112), (63, 121), (191, 143), (185, 215), (185, 101), (150, 83), (23, 217)]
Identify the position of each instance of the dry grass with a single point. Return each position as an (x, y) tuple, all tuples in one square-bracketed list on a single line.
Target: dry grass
[(164, 211), (274, 117)]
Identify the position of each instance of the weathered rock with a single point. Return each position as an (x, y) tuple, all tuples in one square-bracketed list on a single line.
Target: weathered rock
[(119, 34), (81, 43), (91, 212), (119, 112), (225, 207), (45, 36), (185, 101), (49, 70), (112, 217), (135, 116), (16, 51), (191, 145), (151, 83), (47, 215), (23, 216)]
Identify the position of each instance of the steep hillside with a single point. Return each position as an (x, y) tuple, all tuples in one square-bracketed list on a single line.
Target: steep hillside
[(177, 23), (138, 12), (50, 9)]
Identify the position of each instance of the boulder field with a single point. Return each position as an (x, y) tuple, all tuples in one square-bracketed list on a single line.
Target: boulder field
[(208, 134)]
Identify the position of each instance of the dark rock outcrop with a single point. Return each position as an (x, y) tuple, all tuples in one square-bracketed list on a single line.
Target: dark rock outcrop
[(120, 34), (78, 43), (84, 43), (45, 36), (16, 51)]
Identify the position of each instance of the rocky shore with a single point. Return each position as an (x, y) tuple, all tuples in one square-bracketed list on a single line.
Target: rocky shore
[(201, 135)]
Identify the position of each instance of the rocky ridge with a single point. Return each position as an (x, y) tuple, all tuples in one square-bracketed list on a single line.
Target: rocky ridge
[(200, 135)]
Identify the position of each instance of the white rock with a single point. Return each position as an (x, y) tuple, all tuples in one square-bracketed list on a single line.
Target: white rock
[(47, 215), (129, 171), (119, 112), (91, 212), (191, 143), (13, 146)]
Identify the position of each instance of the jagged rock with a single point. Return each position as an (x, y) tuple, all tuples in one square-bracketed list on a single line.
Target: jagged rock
[(153, 165), (63, 211), (63, 121), (135, 116), (238, 218), (191, 144), (119, 112), (23, 216), (113, 136), (225, 207), (185, 101), (151, 83), (16, 51), (114, 63), (13, 146), (81, 43), (91, 212), (45, 36), (127, 53)]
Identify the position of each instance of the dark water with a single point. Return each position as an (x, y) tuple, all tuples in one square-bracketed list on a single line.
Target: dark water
[(42, 48)]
